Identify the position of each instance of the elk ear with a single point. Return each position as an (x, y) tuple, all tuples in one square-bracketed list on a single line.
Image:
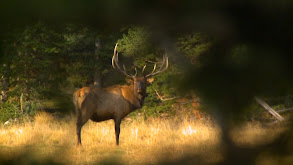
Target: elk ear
[(150, 80), (129, 80)]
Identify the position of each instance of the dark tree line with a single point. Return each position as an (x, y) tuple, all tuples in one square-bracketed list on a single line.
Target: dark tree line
[(45, 64)]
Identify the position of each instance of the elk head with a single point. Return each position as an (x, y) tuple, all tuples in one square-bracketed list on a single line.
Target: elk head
[(139, 83)]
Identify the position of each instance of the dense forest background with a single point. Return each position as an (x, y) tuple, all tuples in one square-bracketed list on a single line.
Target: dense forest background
[(225, 53), (45, 64)]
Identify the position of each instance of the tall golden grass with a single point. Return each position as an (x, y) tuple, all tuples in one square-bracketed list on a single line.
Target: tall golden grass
[(141, 142)]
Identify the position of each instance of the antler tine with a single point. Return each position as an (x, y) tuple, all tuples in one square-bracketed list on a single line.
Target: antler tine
[(135, 72), (166, 62), (155, 66), (143, 69), (124, 68), (115, 63), (113, 58), (164, 66)]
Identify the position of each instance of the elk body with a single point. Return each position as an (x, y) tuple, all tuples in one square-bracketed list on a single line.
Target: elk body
[(114, 102)]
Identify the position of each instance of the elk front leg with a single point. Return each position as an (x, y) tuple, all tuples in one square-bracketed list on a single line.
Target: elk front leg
[(117, 130)]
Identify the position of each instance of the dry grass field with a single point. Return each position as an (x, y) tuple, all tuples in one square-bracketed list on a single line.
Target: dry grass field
[(141, 142)]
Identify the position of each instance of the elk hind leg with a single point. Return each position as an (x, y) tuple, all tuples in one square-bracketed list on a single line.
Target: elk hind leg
[(80, 122)]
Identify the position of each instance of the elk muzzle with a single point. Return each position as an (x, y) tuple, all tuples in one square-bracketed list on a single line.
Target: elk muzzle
[(139, 90)]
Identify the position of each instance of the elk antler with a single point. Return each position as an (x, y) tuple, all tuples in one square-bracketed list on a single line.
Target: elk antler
[(116, 66), (164, 66)]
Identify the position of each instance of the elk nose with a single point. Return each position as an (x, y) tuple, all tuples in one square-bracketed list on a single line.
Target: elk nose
[(139, 90)]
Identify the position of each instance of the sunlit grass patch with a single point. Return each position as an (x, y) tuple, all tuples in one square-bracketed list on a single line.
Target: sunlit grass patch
[(141, 141)]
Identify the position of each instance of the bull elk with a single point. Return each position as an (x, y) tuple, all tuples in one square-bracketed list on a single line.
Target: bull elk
[(114, 102)]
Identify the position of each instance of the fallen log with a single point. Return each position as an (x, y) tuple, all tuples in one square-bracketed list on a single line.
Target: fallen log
[(271, 110)]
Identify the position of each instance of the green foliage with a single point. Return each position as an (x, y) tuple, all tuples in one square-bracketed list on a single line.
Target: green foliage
[(193, 45), (136, 43), (11, 109), (48, 63), (32, 68), (43, 61), (165, 86), (37, 49), (88, 54), (80, 54), (8, 111)]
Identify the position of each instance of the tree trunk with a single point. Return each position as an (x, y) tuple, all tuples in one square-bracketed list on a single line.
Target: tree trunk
[(21, 103), (4, 83), (98, 79), (97, 76)]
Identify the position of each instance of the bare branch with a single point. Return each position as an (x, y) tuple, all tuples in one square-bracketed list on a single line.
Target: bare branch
[(162, 98), (152, 62), (284, 110)]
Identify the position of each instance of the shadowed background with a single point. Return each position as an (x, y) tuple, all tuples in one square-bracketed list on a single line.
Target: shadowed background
[(225, 83)]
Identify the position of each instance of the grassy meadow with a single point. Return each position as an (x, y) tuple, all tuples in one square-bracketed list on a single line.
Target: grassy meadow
[(50, 140)]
